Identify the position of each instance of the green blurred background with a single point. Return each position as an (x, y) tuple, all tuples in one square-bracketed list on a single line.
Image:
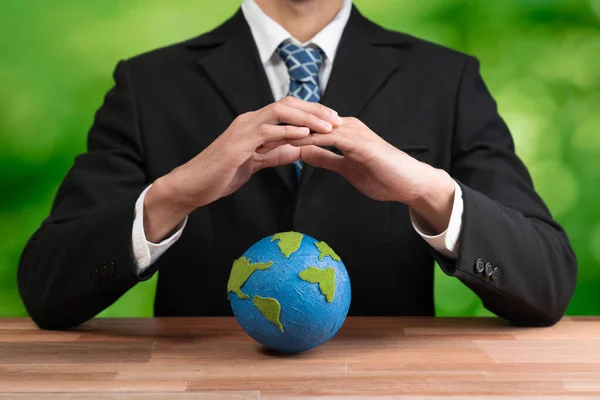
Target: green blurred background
[(540, 58)]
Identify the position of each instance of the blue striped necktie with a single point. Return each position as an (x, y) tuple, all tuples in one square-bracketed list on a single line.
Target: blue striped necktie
[(303, 64)]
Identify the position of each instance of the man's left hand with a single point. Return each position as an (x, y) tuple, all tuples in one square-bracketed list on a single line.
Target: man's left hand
[(382, 171)]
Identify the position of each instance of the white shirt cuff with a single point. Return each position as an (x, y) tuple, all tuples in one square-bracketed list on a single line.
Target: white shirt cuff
[(146, 253), (448, 242)]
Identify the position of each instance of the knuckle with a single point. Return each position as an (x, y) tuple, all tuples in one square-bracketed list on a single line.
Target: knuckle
[(286, 100), (351, 122), (241, 119), (310, 118), (278, 108), (236, 121), (263, 130)]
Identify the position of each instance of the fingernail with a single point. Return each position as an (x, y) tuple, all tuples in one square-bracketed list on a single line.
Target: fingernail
[(333, 112), (326, 125), (304, 130), (339, 120)]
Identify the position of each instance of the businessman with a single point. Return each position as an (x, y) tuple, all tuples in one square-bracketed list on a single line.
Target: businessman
[(304, 116)]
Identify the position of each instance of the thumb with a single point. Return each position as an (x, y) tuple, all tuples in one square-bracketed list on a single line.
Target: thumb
[(282, 155), (321, 158)]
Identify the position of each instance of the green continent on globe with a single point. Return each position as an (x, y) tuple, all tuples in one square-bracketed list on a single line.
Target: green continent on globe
[(289, 242), (324, 277), (270, 308), (325, 251), (240, 272)]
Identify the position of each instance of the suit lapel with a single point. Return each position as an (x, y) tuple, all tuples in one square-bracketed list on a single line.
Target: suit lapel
[(367, 57), (364, 61), (233, 65)]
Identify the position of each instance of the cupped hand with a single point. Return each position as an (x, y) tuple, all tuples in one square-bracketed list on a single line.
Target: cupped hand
[(254, 140), (380, 170)]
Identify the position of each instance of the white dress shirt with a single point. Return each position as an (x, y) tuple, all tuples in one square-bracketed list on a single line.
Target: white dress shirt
[(267, 35)]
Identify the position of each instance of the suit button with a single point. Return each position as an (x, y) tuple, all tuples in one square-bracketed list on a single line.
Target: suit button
[(496, 274), (112, 269), (479, 265), (489, 269), (104, 272), (96, 275)]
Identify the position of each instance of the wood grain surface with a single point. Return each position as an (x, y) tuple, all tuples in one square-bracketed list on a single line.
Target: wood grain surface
[(212, 358)]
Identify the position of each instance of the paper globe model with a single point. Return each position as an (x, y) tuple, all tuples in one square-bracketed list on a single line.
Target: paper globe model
[(289, 292)]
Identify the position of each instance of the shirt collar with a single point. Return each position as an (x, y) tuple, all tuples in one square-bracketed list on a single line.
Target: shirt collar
[(268, 34)]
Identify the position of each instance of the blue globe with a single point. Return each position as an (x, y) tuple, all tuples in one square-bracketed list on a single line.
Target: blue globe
[(289, 292)]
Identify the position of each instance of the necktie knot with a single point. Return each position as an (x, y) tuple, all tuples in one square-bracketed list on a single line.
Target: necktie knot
[(303, 64)]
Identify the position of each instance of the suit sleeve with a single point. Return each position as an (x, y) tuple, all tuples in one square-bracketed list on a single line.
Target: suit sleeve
[(513, 255), (80, 259)]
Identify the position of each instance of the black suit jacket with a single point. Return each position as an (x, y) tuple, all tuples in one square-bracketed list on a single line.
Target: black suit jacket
[(170, 104)]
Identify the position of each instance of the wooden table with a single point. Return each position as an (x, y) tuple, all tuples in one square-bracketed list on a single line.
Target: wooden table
[(212, 358)]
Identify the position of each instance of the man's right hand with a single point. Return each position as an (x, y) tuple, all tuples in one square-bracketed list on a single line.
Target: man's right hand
[(253, 141)]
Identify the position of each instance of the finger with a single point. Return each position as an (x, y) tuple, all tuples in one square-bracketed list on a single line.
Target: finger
[(272, 133), (282, 155), (278, 113), (321, 158), (334, 139), (267, 147), (319, 110)]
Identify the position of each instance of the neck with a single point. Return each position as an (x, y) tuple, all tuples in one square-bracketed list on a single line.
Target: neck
[(303, 19)]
